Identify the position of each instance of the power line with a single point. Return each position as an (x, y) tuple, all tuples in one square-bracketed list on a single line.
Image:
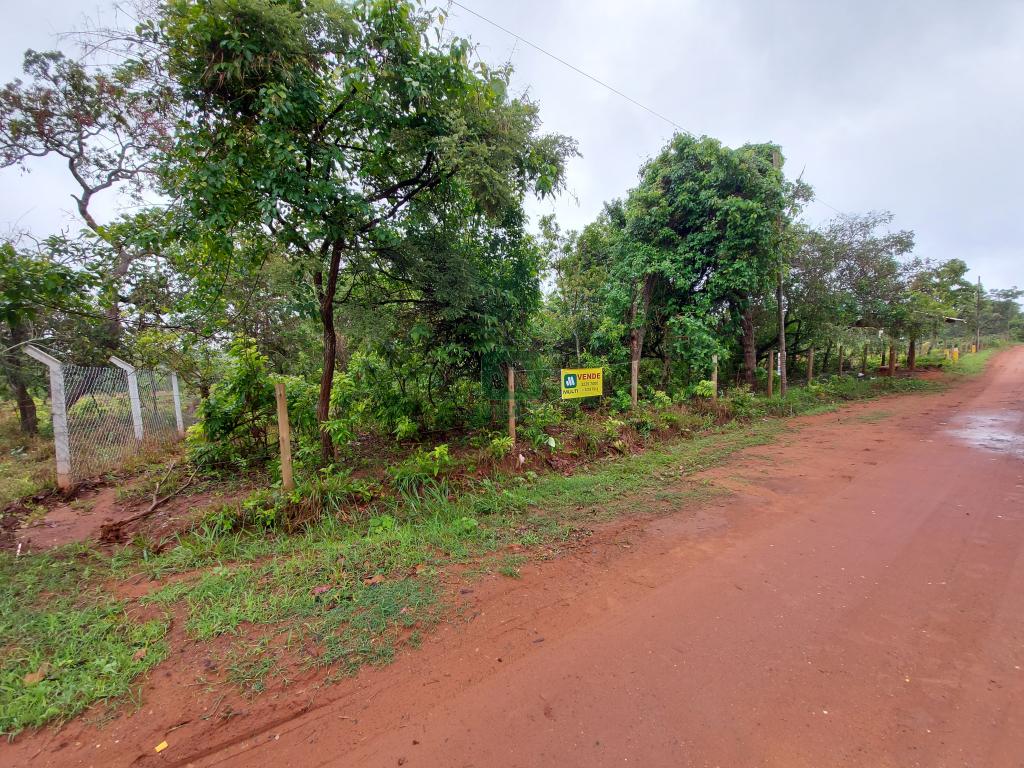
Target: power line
[(603, 84), (574, 68)]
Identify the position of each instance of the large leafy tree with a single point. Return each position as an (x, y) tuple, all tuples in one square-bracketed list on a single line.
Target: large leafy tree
[(107, 124), (331, 125), (700, 231)]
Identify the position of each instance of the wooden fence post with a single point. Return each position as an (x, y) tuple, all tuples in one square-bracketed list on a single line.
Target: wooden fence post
[(284, 436), (810, 365), (771, 370), (512, 402), (58, 415), (714, 375), (864, 360)]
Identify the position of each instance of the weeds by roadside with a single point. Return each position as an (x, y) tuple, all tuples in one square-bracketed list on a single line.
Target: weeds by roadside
[(66, 643)]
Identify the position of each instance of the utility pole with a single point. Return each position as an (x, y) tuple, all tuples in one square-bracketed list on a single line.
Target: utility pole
[(779, 298)]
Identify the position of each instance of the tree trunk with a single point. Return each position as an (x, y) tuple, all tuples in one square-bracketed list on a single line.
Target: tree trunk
[(892, 358), (749, 348), (325, 293), (638, 313), (28, 420), (666, 370), (912, 355), (666, 357), (864, 360)]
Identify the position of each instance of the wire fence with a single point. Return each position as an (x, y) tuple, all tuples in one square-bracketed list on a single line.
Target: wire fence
[(539, 382), (99, 416), (104, 416)]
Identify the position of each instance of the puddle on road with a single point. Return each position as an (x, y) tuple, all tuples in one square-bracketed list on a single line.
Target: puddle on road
[(997, 431)]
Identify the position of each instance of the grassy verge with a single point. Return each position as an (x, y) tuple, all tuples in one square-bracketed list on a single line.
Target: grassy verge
[(66, 644), (972, 364), (26, 462), (335, 594)]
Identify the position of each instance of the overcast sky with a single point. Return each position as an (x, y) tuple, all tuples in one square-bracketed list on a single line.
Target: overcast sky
[(909, 106)]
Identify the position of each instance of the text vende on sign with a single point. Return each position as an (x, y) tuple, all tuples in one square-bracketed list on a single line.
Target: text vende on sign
[(582, 382)]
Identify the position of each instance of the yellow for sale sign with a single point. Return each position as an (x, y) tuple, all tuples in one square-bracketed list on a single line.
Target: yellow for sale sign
[(582, 382)]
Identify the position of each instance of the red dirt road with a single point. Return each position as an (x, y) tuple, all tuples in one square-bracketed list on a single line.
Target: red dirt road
[(857, 599)]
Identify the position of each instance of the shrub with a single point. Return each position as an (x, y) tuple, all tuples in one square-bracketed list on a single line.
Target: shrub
[(705, 389), (613, 428), (239, 410), (422, 468), (643, 422), (586, 436), (500, 446), (620, 401), (743, 403), (542, 416), (661, 400), (405, 428), (537, 438)]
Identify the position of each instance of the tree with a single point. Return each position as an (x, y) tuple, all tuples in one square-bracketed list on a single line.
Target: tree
[(36, 292), (1003, 314), (698, 231), (327, 124), (580, 270), (108, 125)]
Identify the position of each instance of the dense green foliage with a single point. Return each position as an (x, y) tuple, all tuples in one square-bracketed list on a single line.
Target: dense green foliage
[(345, 187)]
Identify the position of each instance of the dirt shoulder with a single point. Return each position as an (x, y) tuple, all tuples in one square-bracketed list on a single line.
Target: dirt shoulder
[(848, 594)]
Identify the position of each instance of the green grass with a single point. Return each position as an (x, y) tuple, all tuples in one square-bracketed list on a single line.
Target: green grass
[(26, 462), (340, 594), (510, 566), (972, 364), (57, 624)]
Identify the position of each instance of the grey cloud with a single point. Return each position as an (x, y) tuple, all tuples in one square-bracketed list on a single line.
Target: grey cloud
[(914, 107)]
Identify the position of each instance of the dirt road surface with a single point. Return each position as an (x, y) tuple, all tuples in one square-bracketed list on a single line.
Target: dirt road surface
[(853, 597)]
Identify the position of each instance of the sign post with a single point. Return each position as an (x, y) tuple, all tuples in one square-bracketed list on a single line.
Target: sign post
[(582, 382)]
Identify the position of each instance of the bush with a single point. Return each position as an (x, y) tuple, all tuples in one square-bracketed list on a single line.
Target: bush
[(643, 422), (234, 420), (500, 446), (743, 403), (406, 428), (661, 400), (421, 469), (542, 416), (705, 389), (537, 438), (585, 438), (620, 401)]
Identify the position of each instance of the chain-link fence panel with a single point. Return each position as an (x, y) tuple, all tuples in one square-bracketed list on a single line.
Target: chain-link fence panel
[(101, 433), (156, 401)]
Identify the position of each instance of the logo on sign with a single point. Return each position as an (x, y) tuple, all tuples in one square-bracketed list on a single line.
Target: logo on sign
[(570, 381)]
